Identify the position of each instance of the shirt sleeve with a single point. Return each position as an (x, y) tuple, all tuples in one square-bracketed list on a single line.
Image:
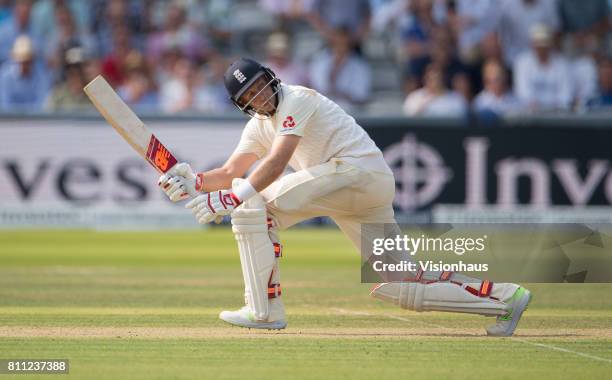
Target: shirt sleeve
[(249, 141), (296, 114)]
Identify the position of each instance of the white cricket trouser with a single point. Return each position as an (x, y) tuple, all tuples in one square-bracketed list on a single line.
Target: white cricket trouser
[(348, 194), (352, 196)]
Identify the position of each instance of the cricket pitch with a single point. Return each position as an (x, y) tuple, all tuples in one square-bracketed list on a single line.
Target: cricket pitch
[(144, 305)]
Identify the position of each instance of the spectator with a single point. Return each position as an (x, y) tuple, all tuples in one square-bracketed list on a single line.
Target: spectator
[(583, 67), (213, 17), (68, 95), (584, 16), (164, 67), (339, 72), (353, 15), (138, 89), (491, 48), (516, 19), (279, 60), (144, 23), (462, 85), (24, 83), (542, 80), (417, 38), (216, 19), (603, 98), (178, 34), (444, 56), (19, 25), (114, 64), (92, 68), (108, 17), (193, 12), (64, 36), (210, 94), (471, 21), (177, 94), (44, 16), (5, 11), (391, 16), (287, 10), (495, 99), (434, 99)]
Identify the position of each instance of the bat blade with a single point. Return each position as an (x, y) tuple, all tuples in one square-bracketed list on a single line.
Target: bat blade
[(128, 125)]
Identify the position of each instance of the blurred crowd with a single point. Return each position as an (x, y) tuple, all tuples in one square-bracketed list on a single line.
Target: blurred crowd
[(452, 58)]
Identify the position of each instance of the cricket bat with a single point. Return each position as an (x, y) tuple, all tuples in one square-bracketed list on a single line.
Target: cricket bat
[(128, 125)]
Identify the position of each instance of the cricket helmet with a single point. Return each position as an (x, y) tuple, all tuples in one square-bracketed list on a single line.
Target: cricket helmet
[(241, 74)]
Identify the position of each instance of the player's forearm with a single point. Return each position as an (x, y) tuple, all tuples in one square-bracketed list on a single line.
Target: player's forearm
[(270, 168), (266, 173), (216, 179)]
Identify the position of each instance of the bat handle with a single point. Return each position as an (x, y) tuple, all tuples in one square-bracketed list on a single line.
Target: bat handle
[(193, 192)]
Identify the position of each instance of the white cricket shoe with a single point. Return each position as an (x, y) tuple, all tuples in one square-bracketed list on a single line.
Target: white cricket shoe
[(245, 318), (517, 304)]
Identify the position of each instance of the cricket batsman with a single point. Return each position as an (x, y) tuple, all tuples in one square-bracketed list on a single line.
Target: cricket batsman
[(339, 173)]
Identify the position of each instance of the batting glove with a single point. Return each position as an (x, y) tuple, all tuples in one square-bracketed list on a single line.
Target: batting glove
[(180, 182), (213, 206)]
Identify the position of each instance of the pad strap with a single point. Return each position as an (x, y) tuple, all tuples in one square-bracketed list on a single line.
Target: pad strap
[(419, 275), (485, 288), (439, 296), (278, 250), (274, 290)]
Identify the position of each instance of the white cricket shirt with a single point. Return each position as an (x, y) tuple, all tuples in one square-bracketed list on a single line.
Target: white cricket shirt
[(327, 132)]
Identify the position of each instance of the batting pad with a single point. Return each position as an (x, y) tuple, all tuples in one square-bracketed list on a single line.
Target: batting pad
[(249, 224), (439, 296)]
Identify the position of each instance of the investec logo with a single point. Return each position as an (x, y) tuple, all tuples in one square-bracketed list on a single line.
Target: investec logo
[(422, 175), (419, 170), (239, 76)]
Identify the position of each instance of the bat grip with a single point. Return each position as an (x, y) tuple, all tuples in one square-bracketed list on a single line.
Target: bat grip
[(193, 192)]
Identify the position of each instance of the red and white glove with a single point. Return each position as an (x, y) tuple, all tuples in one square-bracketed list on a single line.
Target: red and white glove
[(180, 182), (213, 206)]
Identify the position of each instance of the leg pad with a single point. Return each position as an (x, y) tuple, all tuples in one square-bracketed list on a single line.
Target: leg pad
[(437, 296)]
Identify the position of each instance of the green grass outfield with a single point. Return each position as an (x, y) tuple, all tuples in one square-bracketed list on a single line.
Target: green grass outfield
[(144, 306)]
